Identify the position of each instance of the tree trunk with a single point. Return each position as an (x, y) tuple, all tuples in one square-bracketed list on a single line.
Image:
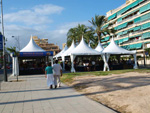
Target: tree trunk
[(99, 38)]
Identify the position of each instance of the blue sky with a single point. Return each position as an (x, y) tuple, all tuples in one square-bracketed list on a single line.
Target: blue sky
[(50, 18)]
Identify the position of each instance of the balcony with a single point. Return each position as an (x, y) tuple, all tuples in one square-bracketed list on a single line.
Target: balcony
[(128, 18), (132, 41)]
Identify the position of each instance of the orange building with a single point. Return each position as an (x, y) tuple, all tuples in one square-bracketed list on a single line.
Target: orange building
[(43, 43)]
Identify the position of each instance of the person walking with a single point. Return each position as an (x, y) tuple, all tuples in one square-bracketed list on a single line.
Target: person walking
[(57, 72), (49, 75)]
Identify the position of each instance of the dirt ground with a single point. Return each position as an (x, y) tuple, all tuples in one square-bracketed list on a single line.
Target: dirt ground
[(126, 93)]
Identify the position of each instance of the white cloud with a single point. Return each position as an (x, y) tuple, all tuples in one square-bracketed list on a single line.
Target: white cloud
[(35, 16), (36, 21), (57, 36), (47, 9)]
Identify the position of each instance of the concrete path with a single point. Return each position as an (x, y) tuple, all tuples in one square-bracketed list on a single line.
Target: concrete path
[(31, 95)]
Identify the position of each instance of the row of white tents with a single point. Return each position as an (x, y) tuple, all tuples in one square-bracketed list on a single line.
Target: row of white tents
[(73, 51), (84, 49)]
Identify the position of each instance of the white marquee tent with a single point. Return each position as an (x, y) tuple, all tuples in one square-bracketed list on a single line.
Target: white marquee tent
[(113, 48), (71, 48), (61, 52), (99, 47), (30, 47), (67, 52), (82, 49)]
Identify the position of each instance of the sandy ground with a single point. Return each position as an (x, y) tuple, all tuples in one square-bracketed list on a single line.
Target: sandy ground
[(126, 93)]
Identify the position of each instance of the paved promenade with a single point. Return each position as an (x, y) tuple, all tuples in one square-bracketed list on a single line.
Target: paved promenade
[(31, 95)]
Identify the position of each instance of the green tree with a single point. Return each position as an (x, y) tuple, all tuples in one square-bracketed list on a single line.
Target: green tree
[(81, 31), (97, 26), (90, 38), (15, 54), (94, 42), (13, 50), (71, 35), (76, 34)]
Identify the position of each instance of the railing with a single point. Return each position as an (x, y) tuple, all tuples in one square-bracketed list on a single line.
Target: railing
[(130, 25), (133, 40), (128, 18), (137, 32)]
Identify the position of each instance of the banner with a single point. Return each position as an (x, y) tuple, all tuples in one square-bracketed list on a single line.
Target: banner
[(36, 54), (1, 42)]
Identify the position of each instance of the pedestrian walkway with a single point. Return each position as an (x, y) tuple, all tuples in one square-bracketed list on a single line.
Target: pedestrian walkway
[(31, 95)]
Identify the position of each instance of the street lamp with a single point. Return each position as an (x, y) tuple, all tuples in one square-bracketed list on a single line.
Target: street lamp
[(18, 41), (143, 50), (144, 53), (4, 56)]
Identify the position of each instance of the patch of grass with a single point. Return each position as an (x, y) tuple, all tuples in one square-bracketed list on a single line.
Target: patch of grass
[(68, 77)]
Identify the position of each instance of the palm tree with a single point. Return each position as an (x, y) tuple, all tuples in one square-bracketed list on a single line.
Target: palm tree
[(98, 23), (112, 31), (13, 50), (94, 42), (15, 54), (81, 31), (89, 37), (77, 33), (71, 35)]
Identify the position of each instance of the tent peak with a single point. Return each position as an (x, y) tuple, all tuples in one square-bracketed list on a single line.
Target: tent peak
[(84, 49), (32, 47), (99, 47), (113, 48), (67, 52)]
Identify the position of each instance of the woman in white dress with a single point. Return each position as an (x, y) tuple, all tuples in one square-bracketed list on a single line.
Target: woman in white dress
[(49, 75)]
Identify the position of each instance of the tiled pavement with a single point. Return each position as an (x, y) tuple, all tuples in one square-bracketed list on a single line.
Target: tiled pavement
[(31, 95)]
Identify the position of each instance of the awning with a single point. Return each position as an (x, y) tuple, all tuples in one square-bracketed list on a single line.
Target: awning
[(117, 42), (119, 20), (122, 26), (136, 46), (135, 36), (112, 16), (125, 32), (105, 39), (145, 17), (105, 26), (120, 33), (35, 54), (146, 26), (146, 35), (139, 1), (137, 20), (127, 8), (137, 28), (120, 41), (145, 8), (125, 39)]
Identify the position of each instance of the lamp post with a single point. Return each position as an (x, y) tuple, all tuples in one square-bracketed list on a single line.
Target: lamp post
[(4, 56), (143, 49), (144, 53), (18, 41)]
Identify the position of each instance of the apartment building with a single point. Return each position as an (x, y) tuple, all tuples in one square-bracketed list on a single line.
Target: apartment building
[(132, 22), (43, 43)]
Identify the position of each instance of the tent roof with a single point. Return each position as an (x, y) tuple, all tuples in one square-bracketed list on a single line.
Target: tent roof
[(84, 49), (113, 48), (61, 52), (32, 47), (68, 51), (99, 47)]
